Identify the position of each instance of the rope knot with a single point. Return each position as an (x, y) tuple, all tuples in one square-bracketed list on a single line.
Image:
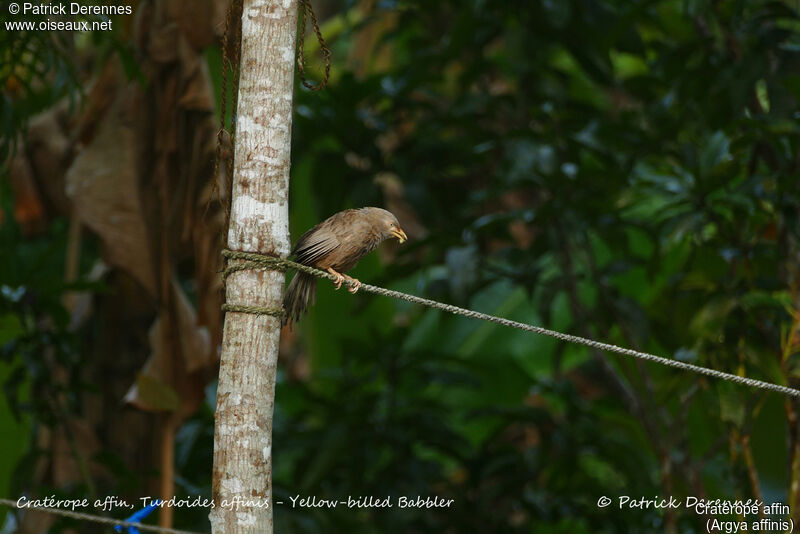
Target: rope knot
[(245, 261)]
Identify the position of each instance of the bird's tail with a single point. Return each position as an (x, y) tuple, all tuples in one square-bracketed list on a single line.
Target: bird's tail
[(300, 294)]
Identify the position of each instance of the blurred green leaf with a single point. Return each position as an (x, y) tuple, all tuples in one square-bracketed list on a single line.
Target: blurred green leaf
[(156, 394), (10, 328)]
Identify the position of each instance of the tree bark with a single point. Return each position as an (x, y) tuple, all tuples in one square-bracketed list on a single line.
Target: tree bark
[(259, 223)]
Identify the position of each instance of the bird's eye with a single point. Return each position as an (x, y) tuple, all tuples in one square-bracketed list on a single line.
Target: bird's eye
[(391, 225)]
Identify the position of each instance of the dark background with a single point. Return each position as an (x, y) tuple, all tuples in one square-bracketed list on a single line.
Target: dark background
[(620, 170)]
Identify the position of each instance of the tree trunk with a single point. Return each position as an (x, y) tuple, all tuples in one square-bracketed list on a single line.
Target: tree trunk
[(259, 223)]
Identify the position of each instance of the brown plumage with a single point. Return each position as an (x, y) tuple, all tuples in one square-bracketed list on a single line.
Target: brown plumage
[(336, 245)]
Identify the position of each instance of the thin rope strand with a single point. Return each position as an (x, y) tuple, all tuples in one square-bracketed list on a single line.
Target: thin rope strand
[(94, 518), (253, 310), (306, 9), (267, 262)]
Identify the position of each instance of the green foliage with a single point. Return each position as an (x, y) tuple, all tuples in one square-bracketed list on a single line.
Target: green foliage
[(33, 339)]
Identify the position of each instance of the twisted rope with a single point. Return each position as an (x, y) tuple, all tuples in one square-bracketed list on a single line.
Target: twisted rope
[(94, 518), (246, 262), (250, 260), (305, 8)]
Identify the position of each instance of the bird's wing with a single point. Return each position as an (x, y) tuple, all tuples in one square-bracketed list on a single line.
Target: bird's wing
[(315, 245)]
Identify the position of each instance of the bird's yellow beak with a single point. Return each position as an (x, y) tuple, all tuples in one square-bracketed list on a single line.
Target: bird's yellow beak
[(400, 235)]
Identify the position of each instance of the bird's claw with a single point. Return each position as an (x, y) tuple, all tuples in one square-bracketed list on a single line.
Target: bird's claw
[(337, 284), (356, 285), (339, 279), (352, 287)]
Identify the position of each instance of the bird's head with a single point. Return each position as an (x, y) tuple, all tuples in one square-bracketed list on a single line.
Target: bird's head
[(387, 224)]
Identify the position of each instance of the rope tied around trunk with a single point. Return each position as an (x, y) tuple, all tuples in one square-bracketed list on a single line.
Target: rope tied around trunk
[(248, 261)]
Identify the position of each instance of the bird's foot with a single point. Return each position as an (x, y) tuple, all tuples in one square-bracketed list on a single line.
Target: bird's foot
[(339, 278), (356, 285)]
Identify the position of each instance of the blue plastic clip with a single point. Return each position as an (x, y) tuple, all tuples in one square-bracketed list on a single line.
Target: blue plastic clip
[(138, 516)]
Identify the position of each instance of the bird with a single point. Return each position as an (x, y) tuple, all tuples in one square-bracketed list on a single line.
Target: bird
[(336, 245)]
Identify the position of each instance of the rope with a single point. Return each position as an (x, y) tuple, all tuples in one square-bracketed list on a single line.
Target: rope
[(246, 264), (94, 518), (254, 310), (305, 8), (229, 64), (250, 261)]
